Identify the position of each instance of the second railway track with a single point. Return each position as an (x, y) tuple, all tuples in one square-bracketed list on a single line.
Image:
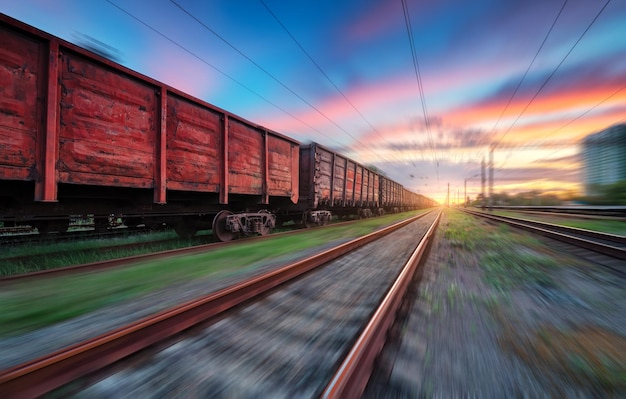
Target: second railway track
[(611, 245), (319, 312)]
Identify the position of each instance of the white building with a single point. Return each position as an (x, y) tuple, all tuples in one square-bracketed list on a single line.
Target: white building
[(604, 157)]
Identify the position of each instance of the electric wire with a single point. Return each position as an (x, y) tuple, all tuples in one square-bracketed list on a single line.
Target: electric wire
[(543, 85), (266, 72), (140, 21), (407, 21), (506, 107), (575, 119), (319, 68)]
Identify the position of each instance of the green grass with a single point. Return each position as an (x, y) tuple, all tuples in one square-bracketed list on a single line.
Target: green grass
[(508, 259), (31, 305), (602, 225)]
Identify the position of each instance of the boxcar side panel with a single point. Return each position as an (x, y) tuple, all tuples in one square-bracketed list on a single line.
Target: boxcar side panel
[(21, 76), (376, 189), (108, 126), (194, 139), (383, 191), (358, 186), (307, 173), (281, 166), (245, 159), (324, 174), (339, 180), (350, 178)]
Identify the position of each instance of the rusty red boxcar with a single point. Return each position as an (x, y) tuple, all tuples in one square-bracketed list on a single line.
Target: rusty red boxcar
[(82, 134), (331, 182)]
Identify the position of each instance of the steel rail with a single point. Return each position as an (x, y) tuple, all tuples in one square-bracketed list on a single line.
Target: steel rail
[(607, 244), (42, 375), (564, 215), (353, 374)]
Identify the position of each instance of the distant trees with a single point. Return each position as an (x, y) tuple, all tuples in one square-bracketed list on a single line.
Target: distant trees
[(528, 198), (608, 194)]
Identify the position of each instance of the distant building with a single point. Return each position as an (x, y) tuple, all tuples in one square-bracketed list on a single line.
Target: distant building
[(604, 157)]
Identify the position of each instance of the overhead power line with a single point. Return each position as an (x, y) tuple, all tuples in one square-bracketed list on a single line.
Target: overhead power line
[(319, 68), (528, 68), (553, 72), (177, 44), (407, 21), (264, 70)]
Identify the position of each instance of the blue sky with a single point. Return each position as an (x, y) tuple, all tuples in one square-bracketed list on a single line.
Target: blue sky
[(354, 87)]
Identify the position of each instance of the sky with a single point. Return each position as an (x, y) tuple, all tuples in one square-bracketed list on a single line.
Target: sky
[(422, 90)]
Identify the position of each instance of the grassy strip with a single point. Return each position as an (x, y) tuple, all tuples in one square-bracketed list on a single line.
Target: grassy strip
[(45, 247), (509, 258), (588, 355), (28, 306), (601, 225), (48, 256)]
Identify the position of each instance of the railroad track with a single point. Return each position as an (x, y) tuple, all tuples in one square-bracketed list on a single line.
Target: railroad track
[(607, 244), (47, 373), (565, 215)]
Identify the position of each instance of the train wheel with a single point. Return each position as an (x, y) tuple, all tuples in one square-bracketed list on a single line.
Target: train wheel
[(306, 220), (265, 229), (219, 227)]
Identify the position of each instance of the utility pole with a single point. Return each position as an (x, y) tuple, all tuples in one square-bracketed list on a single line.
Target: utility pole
[(448, 196), (482, 177), (491, 178), (465, 194)]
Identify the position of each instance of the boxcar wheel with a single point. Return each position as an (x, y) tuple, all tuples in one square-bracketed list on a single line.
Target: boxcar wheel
[(219, 227)]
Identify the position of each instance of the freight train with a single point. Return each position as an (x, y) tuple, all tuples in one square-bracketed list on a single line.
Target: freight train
[(83, 135)]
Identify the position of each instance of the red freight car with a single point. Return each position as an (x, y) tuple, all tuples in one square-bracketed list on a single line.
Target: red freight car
[(391, 195), (330, 182), (80, 134)]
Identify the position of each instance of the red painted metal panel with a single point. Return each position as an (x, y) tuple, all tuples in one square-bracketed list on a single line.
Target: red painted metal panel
[(324, 162), (376, 190), (160, 172), (358, 187), (339, 178), (108, 126), (280, 171), (46, 187), (295, 173), (366, 187), (265, 199), (245, 156), (350, 177), (194, 142), (225, 161), (21, 81)]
